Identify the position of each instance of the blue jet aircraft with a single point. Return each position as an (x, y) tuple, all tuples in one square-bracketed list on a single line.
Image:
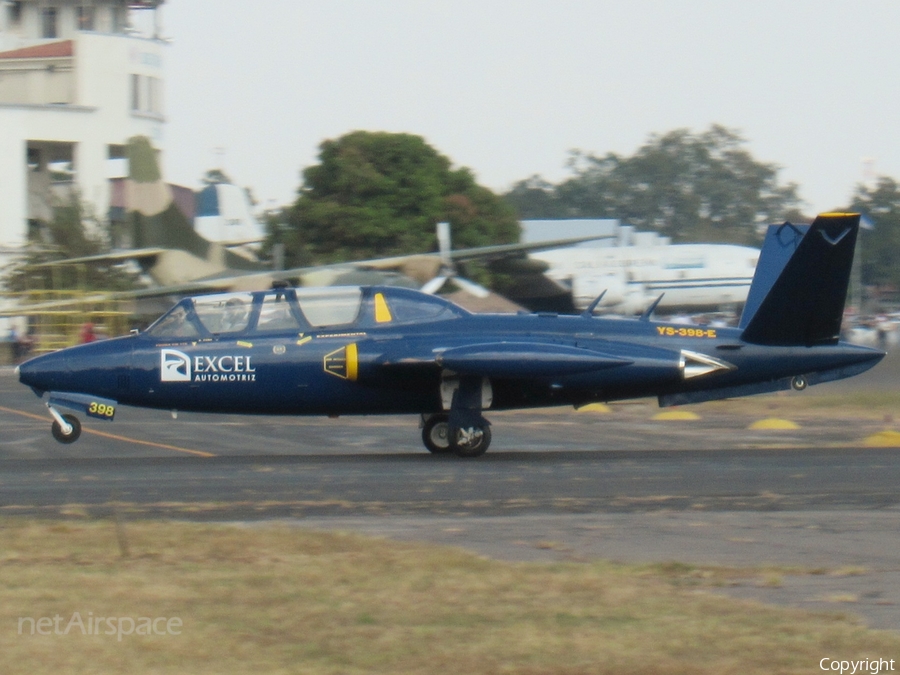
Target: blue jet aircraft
[(388, 350)]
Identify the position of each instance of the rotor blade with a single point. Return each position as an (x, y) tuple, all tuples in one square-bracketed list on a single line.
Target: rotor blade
[(471, 287), (444, 246), (434, 285)]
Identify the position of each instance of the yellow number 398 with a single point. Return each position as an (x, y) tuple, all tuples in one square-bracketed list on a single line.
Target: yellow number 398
[(101, 409)]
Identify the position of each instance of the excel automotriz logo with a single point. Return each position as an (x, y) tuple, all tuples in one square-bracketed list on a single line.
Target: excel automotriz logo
[(176, 366)]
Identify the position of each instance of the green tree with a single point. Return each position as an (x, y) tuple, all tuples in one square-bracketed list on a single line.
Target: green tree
[(880, 246), (689, 186), (378, 194)]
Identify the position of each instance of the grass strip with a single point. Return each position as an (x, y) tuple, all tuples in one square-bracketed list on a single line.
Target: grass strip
[(282, 599)]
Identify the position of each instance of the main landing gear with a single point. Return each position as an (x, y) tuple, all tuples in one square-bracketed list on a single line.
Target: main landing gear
[(472, 441), (66, 428), (463, 430)]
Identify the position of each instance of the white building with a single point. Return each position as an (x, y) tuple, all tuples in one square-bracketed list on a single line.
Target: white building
[(77, 79)]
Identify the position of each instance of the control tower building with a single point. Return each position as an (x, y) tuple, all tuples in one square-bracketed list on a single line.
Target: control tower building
[(77, 79)]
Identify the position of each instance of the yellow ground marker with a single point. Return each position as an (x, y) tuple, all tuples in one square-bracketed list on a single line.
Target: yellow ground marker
[(595, 408), (676, 416), (774, 424), (883, 439), (116, 437)]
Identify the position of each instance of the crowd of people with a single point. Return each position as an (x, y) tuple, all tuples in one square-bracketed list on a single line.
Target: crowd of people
[(22, 344)]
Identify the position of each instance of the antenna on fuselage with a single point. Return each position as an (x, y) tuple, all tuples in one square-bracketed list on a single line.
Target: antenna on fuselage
[(649, 311), (589, 311)]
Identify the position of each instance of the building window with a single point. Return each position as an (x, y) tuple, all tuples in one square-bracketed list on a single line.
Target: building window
[(48, 22), (135, 93), (15, 14), (146, 94), (155, 95), (85, 17), (119, 22)]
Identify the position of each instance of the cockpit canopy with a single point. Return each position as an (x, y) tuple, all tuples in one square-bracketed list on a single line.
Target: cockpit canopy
[(300, 310)]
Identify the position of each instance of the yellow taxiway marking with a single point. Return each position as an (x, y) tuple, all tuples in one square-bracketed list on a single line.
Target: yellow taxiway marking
[(774, 424), (116, 437), (883, 439), (676, 416)]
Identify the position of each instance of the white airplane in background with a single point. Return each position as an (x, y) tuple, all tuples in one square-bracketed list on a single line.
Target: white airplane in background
[(692, 277)]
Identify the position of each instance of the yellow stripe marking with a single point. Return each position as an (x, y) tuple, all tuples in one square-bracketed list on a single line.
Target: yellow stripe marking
[(352, 362), (115, 437), (382, 311)]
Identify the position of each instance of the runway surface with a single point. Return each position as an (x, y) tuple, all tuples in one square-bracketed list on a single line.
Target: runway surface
[(556, 485), (238, 487)]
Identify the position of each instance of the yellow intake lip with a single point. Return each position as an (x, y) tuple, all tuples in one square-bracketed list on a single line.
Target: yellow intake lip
[(343, 362)]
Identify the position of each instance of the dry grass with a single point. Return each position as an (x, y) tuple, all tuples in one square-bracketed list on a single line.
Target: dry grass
[(279, 599)]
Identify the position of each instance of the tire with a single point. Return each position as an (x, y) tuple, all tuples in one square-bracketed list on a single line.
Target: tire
[(436, 435), (799, 382), (58, 434), (477, 445)]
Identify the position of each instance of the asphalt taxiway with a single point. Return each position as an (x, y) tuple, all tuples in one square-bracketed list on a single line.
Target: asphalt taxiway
[(555, 485)]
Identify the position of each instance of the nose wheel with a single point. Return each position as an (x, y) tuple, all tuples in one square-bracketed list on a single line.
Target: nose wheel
[(67, 430)]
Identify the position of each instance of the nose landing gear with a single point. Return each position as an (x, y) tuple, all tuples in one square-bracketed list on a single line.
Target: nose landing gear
[(66, 428)]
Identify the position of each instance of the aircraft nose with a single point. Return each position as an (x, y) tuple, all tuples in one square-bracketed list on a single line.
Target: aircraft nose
[(44, 373)]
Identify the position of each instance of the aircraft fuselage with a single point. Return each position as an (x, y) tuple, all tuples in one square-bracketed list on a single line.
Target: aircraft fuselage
[(366, 368), (370, 349)]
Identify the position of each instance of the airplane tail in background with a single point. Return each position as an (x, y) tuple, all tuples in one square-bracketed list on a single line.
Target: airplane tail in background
[(224, 214), (798, 292), (156, 220)]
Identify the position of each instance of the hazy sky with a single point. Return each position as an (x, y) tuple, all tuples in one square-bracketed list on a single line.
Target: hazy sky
[(507, 88)]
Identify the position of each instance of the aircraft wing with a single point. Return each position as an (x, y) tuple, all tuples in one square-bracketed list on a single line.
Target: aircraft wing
[(505, 250), (418, 267), (249, 281), (478, 253), (112, 256)]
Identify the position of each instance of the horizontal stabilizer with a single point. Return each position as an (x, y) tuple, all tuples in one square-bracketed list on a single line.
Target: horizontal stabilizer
[(802, 303), (525, 359)]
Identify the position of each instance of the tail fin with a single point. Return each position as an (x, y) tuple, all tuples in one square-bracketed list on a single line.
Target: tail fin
[(156, 220), (798, 292)]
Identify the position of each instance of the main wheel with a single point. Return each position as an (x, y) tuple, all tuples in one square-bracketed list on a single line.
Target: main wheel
[(472, 442), (71, 437), (436, 435)]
